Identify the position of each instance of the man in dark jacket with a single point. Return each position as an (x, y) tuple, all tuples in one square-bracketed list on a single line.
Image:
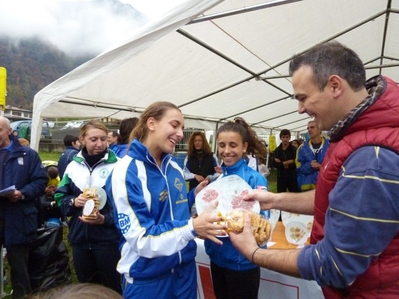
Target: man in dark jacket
[(22, 173), (284, 161), (72, 146)]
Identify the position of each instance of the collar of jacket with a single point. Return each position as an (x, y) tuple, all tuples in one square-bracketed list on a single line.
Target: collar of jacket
[(140, 151), (233, 168), (109, 157)]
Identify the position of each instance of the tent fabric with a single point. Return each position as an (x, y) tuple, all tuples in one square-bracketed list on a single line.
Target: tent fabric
[(218, 60)]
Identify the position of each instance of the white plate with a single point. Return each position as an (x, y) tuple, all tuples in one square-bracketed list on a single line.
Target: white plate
[(308, 221), (287, 217), (228, 192), (102, 196), (296, 232)]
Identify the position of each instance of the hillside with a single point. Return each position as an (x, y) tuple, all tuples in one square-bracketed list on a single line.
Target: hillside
[(31, 65)]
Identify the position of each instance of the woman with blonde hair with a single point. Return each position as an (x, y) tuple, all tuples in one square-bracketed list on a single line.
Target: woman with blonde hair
[(94, 241)]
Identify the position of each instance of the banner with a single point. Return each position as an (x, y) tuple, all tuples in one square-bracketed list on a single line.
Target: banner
[(272, 143), (3, 90)]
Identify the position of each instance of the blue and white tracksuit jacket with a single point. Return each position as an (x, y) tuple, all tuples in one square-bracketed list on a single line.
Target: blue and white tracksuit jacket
[(153, 211), (226, 255)]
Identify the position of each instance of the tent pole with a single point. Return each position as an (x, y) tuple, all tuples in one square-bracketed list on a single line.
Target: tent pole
[(241, 10)]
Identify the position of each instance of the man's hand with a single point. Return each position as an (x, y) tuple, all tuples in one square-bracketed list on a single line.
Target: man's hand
[(245, 242), (315, 165), (16, 196), (266, 199)]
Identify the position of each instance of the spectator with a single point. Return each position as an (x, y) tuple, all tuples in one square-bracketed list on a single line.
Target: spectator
[(125, 129), (48, 209), (354, 239), (295, 143), (72, 146), (284, 161), (94, 241), (252, 157), (263, 169), (20, 167), (112, 139), (152, 206), (53, 177), (200, 161), (310, 156), (50, 213)]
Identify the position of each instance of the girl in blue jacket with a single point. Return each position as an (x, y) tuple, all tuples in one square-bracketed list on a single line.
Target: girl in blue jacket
[(152, 207), (233, 276)]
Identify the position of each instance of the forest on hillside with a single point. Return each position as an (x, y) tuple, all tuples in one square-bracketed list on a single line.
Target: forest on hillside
[(32, 64)]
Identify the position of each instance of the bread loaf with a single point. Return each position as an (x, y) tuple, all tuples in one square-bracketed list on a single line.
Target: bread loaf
[(261, 227), (92, 204)]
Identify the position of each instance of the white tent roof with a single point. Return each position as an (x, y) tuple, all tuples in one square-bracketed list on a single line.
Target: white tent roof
[(218, 62)]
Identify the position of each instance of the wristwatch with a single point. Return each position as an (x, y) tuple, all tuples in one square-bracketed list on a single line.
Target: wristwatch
[(72, 202)]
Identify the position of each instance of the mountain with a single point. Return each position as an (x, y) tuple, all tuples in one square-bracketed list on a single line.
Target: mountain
[(32, 64)]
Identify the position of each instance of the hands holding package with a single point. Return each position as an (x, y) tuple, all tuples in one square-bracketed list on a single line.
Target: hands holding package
[(93, 216), (212, 223)]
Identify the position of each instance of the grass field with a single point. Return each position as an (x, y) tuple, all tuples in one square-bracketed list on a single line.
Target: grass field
[(49, 156)]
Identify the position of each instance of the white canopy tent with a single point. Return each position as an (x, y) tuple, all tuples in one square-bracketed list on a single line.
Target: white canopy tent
[(217, 60)]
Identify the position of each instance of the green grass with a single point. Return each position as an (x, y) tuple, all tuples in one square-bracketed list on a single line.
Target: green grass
[(272, 180), (49, 156)]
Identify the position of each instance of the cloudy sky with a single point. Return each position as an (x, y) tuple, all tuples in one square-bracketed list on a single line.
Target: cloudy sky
[(153, 8), (77, 26)]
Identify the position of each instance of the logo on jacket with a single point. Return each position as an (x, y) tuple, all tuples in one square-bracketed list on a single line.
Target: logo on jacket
[(182, 199), (178, 184), (163, 195), (124, 222), (104, 173)]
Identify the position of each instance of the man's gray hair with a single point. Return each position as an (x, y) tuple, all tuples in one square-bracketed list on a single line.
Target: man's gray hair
[(6, 120)]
